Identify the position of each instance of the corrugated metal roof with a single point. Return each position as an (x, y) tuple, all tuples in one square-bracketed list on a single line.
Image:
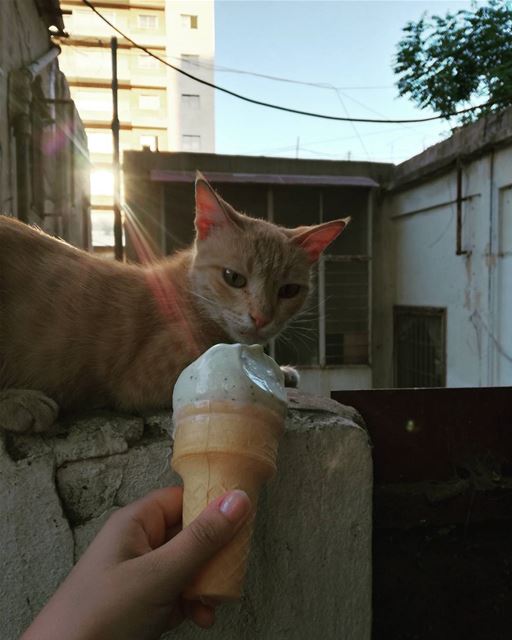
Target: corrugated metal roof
[(165, 175)]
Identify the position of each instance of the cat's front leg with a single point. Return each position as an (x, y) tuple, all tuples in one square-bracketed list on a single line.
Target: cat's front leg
[(26, 411)]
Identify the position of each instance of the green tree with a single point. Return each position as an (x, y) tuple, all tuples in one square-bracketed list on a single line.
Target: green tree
[(449, 63)]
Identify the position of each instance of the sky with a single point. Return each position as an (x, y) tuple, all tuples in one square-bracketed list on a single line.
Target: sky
[(349, 45)]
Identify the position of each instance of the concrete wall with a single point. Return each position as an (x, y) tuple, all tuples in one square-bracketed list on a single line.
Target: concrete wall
[(322, 381), (415, 243), (310, 568), (200, 42), (57, 182)]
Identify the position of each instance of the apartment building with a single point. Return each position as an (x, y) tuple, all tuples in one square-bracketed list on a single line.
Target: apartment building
[(159, 108)]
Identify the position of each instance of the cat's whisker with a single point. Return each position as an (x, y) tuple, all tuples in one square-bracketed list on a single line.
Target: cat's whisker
[(301, 336), (306, 322), (315, 307), (201, 297)]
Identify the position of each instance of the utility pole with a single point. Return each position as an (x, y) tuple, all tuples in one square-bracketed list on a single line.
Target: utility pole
[(118, 224)]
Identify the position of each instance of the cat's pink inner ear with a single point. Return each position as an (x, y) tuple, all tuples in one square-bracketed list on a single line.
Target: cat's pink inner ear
[(316, 239), (209, 211)]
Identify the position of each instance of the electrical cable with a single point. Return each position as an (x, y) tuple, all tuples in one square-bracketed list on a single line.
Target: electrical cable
[(269, 105)]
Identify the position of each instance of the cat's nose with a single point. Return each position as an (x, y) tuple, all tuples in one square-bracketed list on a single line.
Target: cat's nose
[(260, 320)]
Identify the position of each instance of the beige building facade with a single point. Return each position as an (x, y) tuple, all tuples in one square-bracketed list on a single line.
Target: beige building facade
[(158, 107)]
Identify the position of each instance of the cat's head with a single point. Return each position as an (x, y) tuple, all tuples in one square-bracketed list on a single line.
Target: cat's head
[(249, 275)]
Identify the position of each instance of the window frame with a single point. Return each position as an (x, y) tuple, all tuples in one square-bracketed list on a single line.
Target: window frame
[(141, 17), (190, 137), (320, 283), (191, 21), (193, 105), (150, 97), (423, 311)]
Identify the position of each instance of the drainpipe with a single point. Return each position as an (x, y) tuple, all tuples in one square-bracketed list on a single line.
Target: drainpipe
[(20, 100), (491, 276)]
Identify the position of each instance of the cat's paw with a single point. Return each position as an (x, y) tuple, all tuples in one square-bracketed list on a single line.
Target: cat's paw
[(26, 411), (291, 377)]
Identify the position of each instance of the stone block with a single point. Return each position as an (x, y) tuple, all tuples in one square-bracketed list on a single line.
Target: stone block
[(88, 487), (36, 541)]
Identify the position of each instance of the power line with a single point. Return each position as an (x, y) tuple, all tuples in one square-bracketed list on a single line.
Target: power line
[(269, 105), (265, 76)]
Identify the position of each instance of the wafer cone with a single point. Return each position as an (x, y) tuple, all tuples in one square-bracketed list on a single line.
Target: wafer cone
[(220, 446)]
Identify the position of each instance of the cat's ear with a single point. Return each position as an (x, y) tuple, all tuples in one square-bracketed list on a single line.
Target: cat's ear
[(211, 211), (317, 238)]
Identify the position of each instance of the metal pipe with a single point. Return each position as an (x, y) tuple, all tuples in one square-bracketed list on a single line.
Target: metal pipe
[(118, 224), (35, 68), (322, 355), (22, 132), (491, 274), (270, 218), (20, 101), (459, 251)]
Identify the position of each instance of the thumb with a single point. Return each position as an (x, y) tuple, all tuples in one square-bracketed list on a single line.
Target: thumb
[(180, 559)]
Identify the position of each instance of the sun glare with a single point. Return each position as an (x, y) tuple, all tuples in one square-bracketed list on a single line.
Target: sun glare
[(102, 183)]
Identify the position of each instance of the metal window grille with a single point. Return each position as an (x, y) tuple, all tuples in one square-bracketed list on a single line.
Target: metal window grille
[(346, 310), (335, 329), (419, 347)]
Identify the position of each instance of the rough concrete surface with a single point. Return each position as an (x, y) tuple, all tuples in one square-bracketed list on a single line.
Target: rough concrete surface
[(309, 572)]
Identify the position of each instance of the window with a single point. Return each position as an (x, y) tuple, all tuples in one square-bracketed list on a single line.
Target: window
[(505, 221), (334, 329), (149, 141), (190, 101), (149, 102), (100, 141), (98, 101), (190, 59), (191, 143), (147, 21), (147, 62), (188, 21), (102, 183), (102, 228), (419, 347), (92, 63), (86, 22), (346, 310)]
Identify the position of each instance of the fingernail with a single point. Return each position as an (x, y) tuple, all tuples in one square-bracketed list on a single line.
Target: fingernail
[(235, 505)]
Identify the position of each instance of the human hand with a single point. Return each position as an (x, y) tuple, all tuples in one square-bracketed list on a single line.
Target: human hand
[(127, 585)]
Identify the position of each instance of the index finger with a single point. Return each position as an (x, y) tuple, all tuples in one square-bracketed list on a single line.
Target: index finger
[(157, 512)]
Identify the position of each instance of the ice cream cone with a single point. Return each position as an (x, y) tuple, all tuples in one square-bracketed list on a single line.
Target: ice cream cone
[(219, 446)]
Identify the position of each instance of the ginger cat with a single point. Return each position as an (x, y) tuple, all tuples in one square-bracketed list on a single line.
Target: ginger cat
[(78, 332)]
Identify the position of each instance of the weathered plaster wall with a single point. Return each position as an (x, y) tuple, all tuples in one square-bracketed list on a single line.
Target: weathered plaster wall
[(310, 568), (415, 242), (58, 182), (23, 37)]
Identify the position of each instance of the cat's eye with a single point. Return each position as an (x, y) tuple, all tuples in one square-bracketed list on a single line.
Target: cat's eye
[(234, 279), (289, 290)]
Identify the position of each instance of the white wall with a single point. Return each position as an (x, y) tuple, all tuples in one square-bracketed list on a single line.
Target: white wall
[(322, 381), (417, 265)]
